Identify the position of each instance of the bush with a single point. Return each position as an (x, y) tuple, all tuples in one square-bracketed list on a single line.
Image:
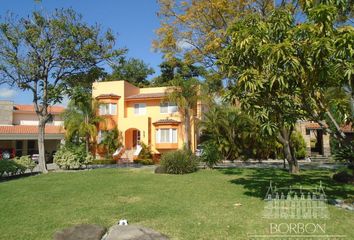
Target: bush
[(299, 145), (10, 167), (343, 177), (210, 154), (179, 162), (72, 157), (25, 162), (144, 161), (145, 152), (104, 161), (160, 169), (345, 153)]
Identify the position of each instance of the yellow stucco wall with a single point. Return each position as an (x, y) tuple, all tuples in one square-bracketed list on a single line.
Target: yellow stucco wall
[(128, 120)]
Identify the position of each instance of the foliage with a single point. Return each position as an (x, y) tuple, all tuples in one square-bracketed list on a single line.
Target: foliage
[(343, 177), (71, 156), (17, 165), (346, 154), (179, 162), (236, 134), (196, 29), (133, 70), (44, 53), (9, 167), (104, 162), (144, 161), (145, 152), (210, 155), (173, 68), (26, 162), (185, 93), (299, 145), (160, 170), (111, 141), (80, 118)]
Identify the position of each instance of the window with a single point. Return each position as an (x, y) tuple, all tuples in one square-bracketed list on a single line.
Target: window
[(140, 109), (168, 108), (108, 109), (166, 135)]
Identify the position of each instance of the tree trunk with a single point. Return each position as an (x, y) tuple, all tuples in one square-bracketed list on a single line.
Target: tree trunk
[(284, 139), (87, 143), (187, 127), (41, 147)]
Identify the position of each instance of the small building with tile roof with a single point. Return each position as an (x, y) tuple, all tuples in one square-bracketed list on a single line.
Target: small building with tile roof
[(19, 130)]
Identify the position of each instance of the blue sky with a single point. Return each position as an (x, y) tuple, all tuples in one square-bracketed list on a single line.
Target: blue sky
[(133, 22)]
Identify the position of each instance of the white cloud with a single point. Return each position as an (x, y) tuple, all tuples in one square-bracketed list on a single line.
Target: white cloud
[(7, 93), (183, 44)]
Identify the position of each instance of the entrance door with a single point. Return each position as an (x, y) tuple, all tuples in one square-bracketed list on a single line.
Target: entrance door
[(136, 138)]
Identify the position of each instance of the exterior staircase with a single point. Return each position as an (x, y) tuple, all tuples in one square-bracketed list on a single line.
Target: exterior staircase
[(320, 158), (128, 154)]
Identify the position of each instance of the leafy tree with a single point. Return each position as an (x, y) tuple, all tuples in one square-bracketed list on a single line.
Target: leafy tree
[(42, 52), (80, 118), (185, 93), (132, 70), (235, 134), (261, 62), (282, 69), (176, 67), (111, 140)]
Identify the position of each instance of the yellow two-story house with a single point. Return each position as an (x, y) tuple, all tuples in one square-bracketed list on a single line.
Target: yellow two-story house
[(143, 115)]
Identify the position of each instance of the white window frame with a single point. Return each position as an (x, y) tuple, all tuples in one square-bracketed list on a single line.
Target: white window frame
[(140, 108), (171, 107), (172, 135), (108, 109)]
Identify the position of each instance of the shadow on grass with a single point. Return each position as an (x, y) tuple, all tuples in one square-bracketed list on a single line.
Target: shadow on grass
[(9, 178), (256, 181)]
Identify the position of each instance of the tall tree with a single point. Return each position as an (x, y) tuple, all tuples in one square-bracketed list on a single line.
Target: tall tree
[(42, 52), (282, 70), (80, 118), (185, 93), (132, 70), (176, 67)]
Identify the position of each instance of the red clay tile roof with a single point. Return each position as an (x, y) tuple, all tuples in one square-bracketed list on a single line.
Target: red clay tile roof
[(146, 95), (344, 128), (22, 129), (313, 126), (166, 121), (110, 95), (30, 108)]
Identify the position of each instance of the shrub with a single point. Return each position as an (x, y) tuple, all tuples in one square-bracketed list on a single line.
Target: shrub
[(345, 153), (144, 161), (104, 161), (160, 169), (179, 162), (9, 167), (210, 154), (145, 152), (72, 157), (25, 162), (299, 145), (343, 177)]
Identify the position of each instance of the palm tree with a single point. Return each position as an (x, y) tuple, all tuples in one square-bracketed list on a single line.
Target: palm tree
[(185, 94), (80, 119)]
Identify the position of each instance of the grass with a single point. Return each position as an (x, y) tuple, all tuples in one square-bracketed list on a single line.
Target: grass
[(193, 206)]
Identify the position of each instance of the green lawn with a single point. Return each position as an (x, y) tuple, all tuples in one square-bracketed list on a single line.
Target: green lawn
[(193, 206)]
